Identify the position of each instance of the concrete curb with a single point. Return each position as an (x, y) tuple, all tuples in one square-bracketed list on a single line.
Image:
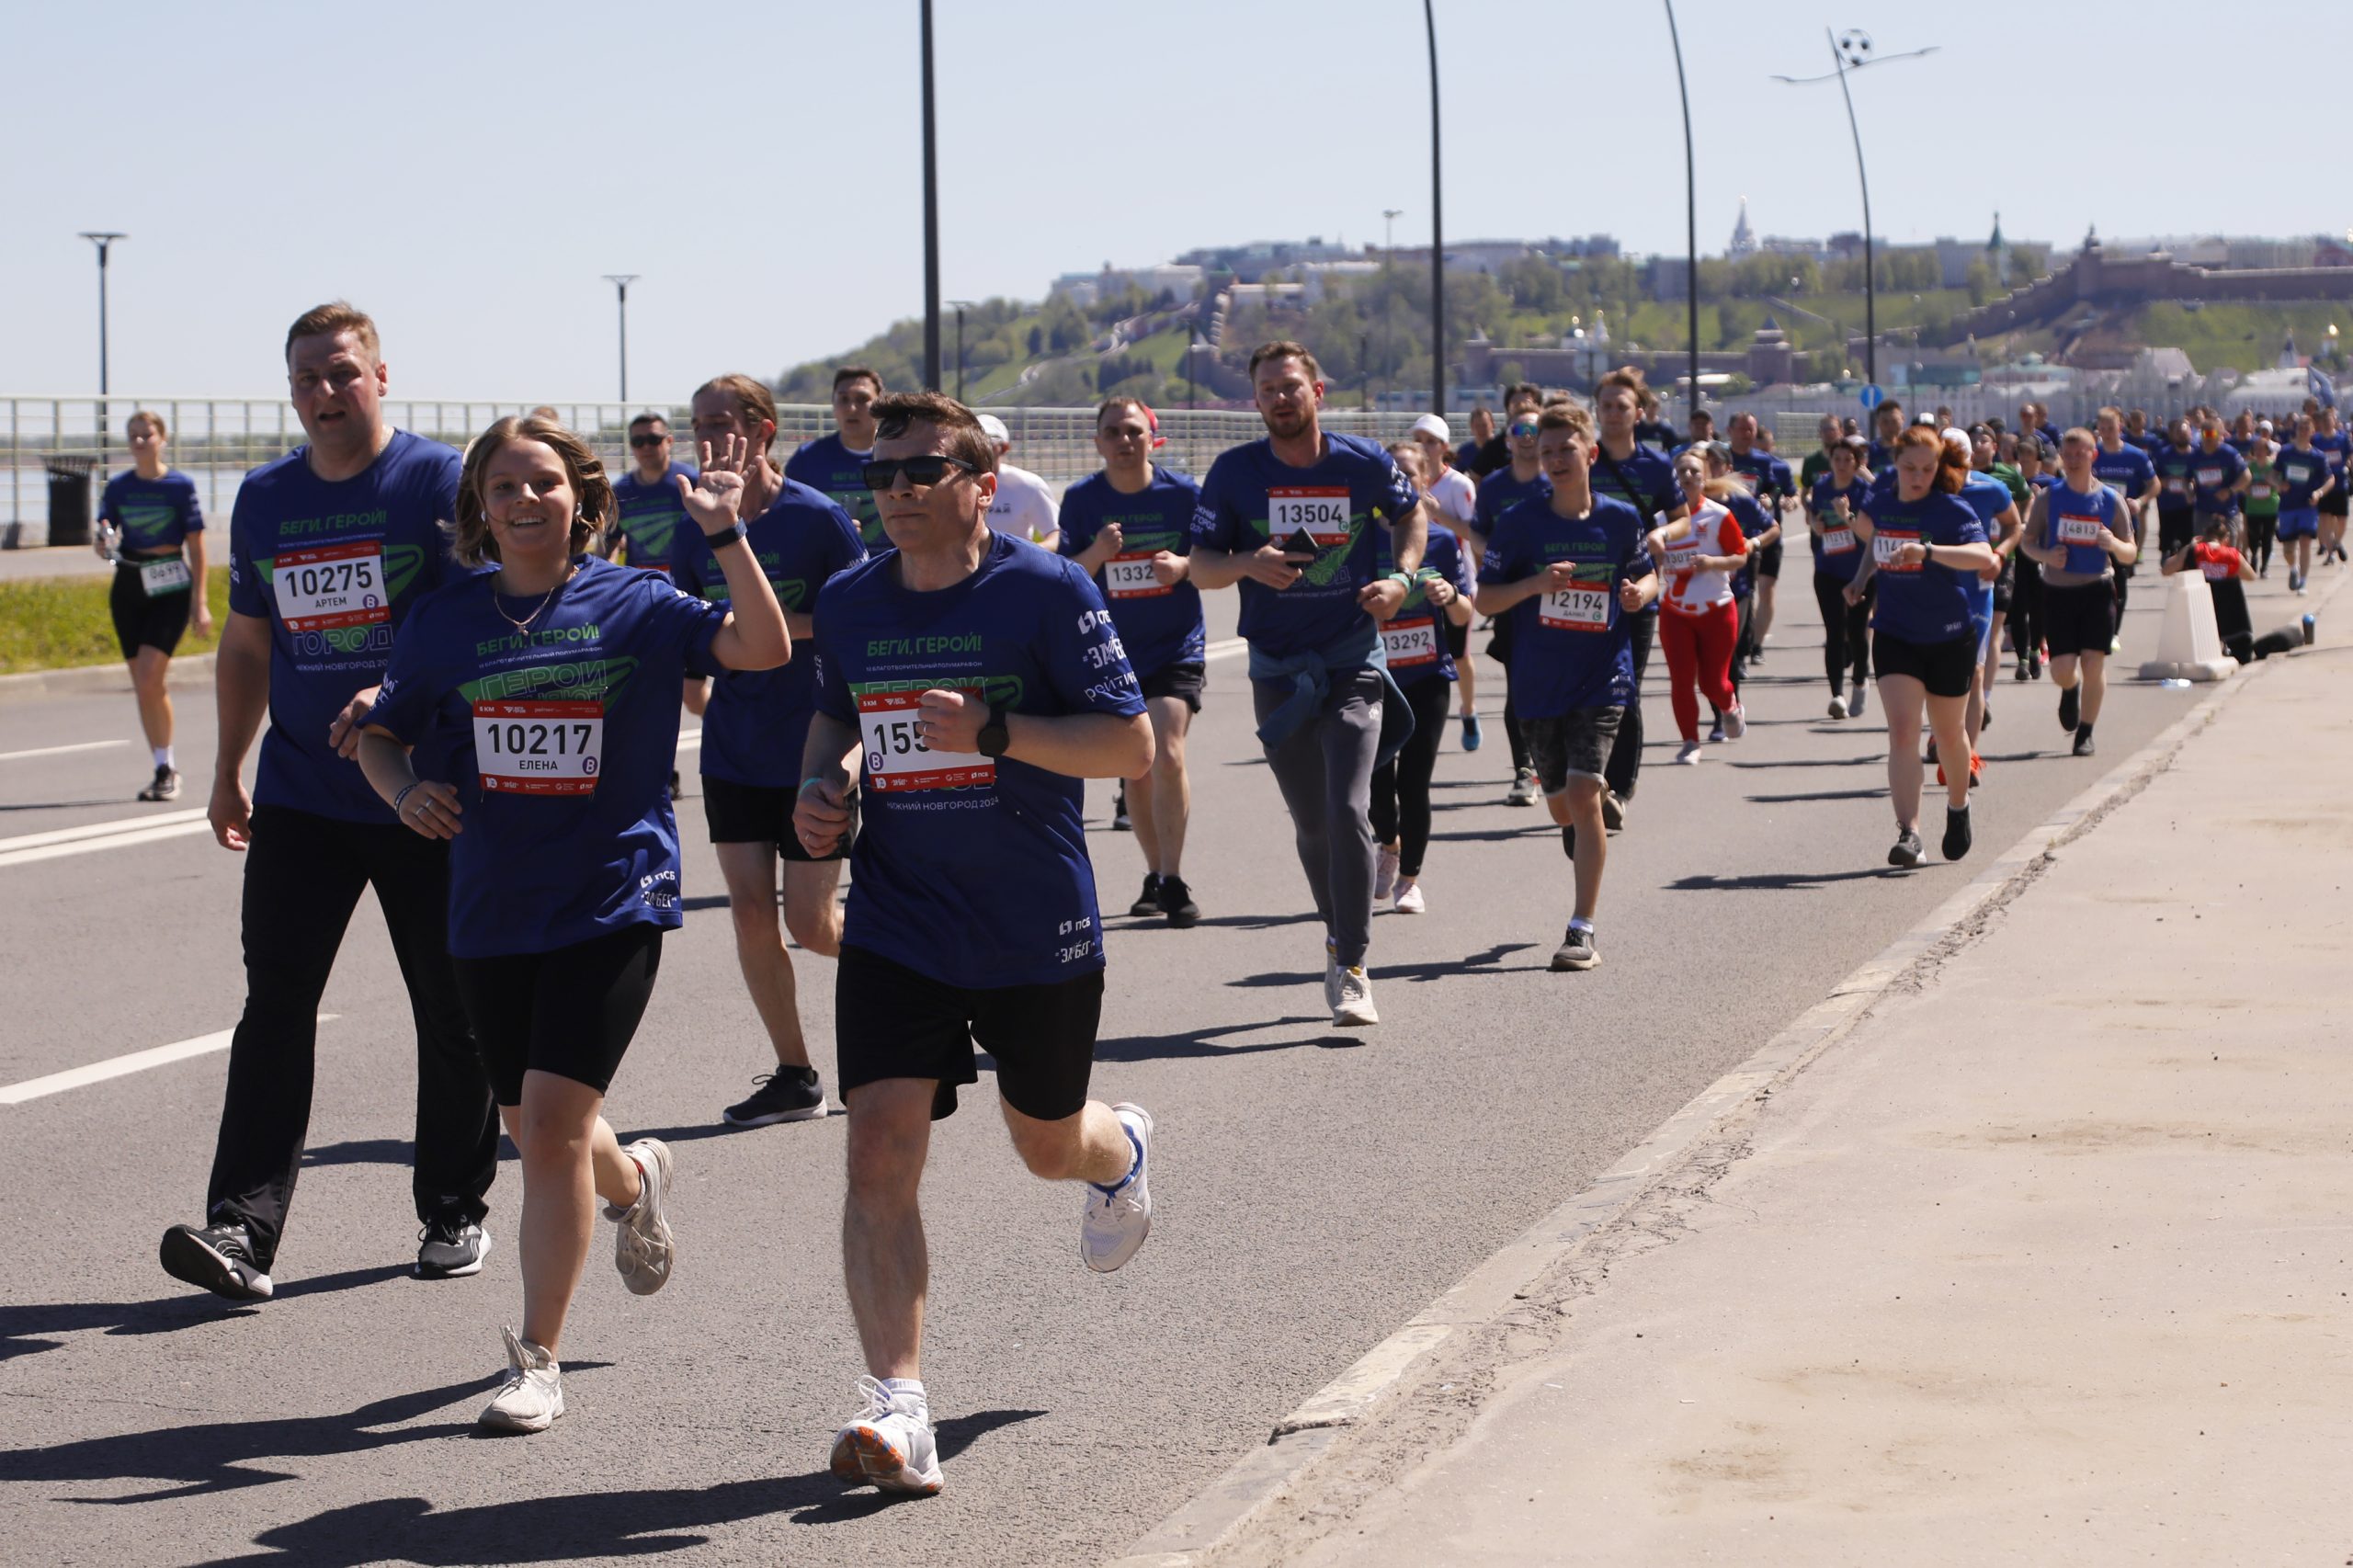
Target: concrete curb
[(1300, 1440), (196, 669)]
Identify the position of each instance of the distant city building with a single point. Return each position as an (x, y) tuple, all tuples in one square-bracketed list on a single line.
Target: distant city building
[(1085, 288), (1744, 238)]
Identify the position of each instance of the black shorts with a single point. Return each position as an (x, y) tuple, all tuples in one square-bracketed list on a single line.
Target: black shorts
[(143, 622), (571, 1012), (890, 1021), (1945, 668), (2174, 530), (1571, 745), (2079, 619), (1768, 560), (2337, 501), (2004, 587), (1499, 644), (761, 813), (1457, 639), (1187, 681)]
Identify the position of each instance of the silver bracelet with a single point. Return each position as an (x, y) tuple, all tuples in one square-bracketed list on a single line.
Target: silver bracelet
[(403, 795)]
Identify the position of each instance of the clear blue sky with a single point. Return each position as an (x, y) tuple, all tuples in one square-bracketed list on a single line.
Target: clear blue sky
[(467, 171)]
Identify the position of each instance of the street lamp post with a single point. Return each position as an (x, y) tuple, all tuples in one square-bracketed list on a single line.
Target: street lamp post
[(1690, 204), (959, 306), (103, 240), (930, 220), (1389, 215), (620, 282), (1438, 232)]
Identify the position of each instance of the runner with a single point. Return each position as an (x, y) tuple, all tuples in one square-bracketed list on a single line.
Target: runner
[(1769, 483), (1643, 478), (2219, 479), (1495, 454), (2137, 434), (2227, 572), (1818, 463), (1754, 524), (2333, 502), (152, 528), (1483, 430), (648, 497), (754, 725), (1571, 566), (832, 463), (1498, 493), (1292, 520), (1927, 551), (2081, 531), (1996, 493), (985, 677), (1702, 424), (1454, 501), (1130, 525), (2260, 505), (1699, 623), (1887, 423), (1831, 507), (2035, 469), (2134, 473), (561, 675), (330, 548), (2307, 480), (1422, 662), (1024, 506)]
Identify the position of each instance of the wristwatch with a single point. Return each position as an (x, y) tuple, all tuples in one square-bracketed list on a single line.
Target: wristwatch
[(993, 738)]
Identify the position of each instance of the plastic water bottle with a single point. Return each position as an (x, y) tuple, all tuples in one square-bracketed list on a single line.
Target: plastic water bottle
[(2174, 683)]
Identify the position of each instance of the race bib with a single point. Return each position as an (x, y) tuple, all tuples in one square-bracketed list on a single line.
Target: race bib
[(2298, 474), (1410, 642), (896, 758), (1576, 610), (332, 585), (1322, 512), (2079, 531), (1682, 558), (1837, 541), (2176, 483), (2217, 571), (538, 747), (2259, 493), (2209, 477), (161, 577), (1129, 577), (1886, 542)]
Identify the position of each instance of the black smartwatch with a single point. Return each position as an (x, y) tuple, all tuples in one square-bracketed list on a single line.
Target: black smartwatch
[(735, 534), (993, 738)]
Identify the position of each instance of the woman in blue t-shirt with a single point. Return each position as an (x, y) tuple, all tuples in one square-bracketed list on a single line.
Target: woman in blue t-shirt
[(153, 529), (1926, 551), (554, 684), (1831, 507), (1422, 664)]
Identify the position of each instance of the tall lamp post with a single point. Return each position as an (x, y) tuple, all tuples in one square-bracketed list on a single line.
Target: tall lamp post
[(103, 240), (931, 219), (1438, 232), (960, 307), (1850, 52), (620, 282), (1690, 203)]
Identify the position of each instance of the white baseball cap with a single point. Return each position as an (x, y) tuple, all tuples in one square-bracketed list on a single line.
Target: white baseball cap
[(1431, 425), (994, 428)]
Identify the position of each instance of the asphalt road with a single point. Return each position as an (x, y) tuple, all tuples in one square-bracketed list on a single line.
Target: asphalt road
[(1314, 1188)]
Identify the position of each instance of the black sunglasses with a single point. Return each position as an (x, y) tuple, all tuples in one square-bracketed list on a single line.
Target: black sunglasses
[(647, 440), (922, 472)]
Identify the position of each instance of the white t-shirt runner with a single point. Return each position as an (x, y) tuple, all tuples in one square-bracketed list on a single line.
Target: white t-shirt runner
[(1024, 506)]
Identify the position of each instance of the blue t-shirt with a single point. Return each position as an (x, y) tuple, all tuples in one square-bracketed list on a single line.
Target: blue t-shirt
[(154, 515), (1929, 603), (2143, 443), (650, 515), (1499, 493), (1750, 516), (2177, 477), (1159, 625), (1571, 649), (827, 465), (970, 872), (2075, 520), (2300, 473), (1768, 479), (2335, 449), (335, 569), (1414, 637), (1988, 497), (560, 741), (2129, 469), (1644, 481), (1341, 501), (1836, 551), (754, 730), (2212, 476)]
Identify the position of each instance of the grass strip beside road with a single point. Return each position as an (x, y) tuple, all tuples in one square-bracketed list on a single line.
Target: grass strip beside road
[(63, 623)]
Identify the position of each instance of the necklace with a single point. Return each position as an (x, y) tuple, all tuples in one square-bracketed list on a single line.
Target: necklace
[(545, 599)]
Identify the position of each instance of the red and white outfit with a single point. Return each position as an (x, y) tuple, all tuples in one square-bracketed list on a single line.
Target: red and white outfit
[(1697, 621)]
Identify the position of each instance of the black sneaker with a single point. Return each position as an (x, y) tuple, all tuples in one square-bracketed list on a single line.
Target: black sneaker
[(450, 1247), (1576, 950), (2084, 746), (2070, 707), (1985, 721), (1120, 823), (1930, 757), (219, 1258), (1176, 902), (789, 1094), (1958, 837), (1908, 851), (165, 785), (1613, 811), (1148, 901)]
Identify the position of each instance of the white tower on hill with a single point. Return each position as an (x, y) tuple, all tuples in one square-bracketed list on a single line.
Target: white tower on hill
[(1744, 238)]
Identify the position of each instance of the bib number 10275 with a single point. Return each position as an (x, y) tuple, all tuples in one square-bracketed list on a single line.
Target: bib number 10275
[(333, 585), (539, 748)]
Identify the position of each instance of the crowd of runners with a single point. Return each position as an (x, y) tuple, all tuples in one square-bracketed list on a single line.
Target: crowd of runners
[(907, 658)]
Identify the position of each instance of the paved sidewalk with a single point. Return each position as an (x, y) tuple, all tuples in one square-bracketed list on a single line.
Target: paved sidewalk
[(2047, 1261)]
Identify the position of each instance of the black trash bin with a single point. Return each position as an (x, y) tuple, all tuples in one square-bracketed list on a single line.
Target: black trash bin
[(69, 499)]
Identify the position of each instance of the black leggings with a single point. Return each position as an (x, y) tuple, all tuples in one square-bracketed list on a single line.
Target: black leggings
[(571, 1012), (2260, 532), (1625, 763), (1400, 791), (1499, 649), (2027, 618), (1846, 635)]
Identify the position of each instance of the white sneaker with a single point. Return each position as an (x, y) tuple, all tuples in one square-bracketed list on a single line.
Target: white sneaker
[(1838, 706), (1352, 1005), (530, 1396), (1409, 899), (1855, 702), (1735, 722), (1689, 756), (891, 1446), (645, 1248), (1384, 872), (1523, 789), (1116, 1222)]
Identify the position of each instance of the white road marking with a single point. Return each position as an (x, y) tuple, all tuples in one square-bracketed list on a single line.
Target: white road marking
[(59, 751), (689, 739), (1226, 649), (120, 1066)]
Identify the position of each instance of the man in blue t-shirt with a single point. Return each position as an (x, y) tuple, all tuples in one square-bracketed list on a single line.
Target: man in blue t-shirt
[(1498, 493), (1293, 519), (980, 680), (1644, 479), (1771, 483), (2334, 443), (648, 497), (2131, 470), (833, 463), (329, 547)]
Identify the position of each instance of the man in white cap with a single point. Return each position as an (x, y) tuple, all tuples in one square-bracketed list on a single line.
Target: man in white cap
[(1025, 504), (1457, 497)]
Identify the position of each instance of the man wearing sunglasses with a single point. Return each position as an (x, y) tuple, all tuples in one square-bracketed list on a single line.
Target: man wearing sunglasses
[(1498, 493), (980, 680), (831, 463), (648, 495), (1291, 518)]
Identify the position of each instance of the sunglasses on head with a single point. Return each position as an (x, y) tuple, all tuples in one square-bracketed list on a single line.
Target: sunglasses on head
[(645, 438), (922, 472)]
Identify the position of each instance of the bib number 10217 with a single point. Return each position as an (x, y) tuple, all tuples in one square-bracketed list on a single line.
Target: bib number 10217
[(539, 748)]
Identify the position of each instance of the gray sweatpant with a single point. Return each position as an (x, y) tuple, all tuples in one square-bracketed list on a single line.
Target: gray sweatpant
[(1325, 771)]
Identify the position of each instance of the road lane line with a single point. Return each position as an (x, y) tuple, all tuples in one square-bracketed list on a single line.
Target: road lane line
[(1226, 649), (121, 1066), (59, 751), (99, 829)]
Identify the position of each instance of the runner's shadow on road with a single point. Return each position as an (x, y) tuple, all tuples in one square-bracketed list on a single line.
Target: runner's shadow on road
[(1196, 1044), (1239, 922), (61, 805), (1814, 762), (1497, 834), (22, 1327), (1773, 881), (385, 1152), (1872, 794), (598, 1524), (1489, 962)]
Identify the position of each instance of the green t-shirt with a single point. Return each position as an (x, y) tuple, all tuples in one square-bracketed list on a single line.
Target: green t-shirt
[(2262, 497)]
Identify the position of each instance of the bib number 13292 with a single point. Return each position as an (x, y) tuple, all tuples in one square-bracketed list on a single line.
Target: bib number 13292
[(539, 748)]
